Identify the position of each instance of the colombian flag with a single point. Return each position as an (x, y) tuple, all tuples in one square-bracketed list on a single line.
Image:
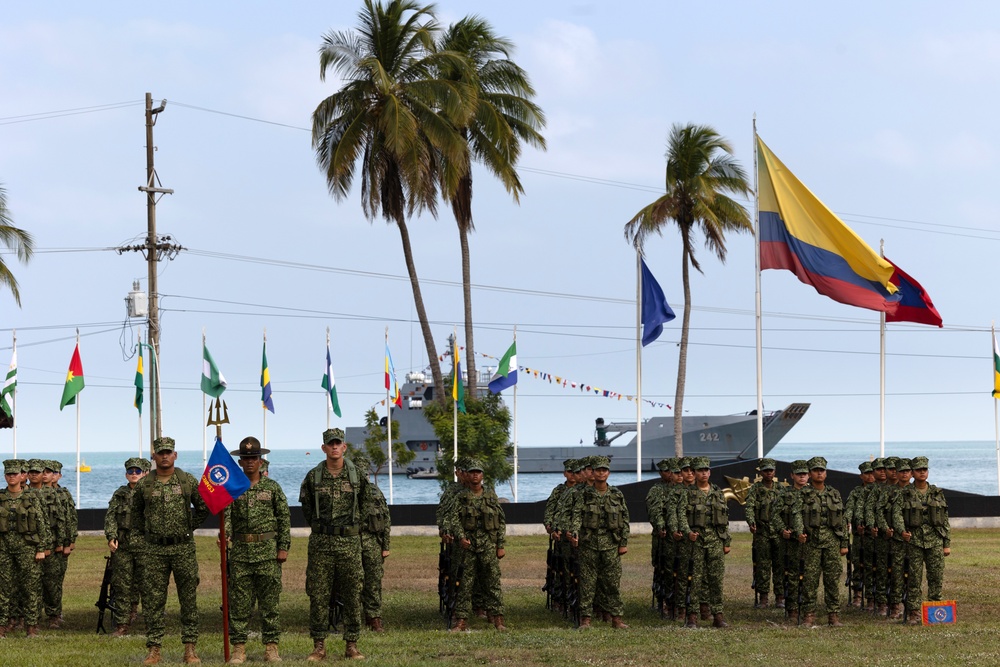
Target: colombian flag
[(800, 234), (223, 480)]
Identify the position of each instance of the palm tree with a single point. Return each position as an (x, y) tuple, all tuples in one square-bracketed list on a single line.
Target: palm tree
[(14, 239), (392, 118), (504, 117), (701, 171)]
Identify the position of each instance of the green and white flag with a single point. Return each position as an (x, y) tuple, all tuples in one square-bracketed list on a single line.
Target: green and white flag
[(8, 387), (212, 381)]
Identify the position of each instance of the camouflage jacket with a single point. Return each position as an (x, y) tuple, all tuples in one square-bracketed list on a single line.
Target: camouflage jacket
[(553, 503), (118, 519), (760, 506), (444, 504), (334, 501), (479, 519), (822, 516), (562, 518), (854, 506), (656, 504), (873, 503), (262, 509), (924, 515), (672, 506), (378, 524), (704, 512), (52, 509), (600, 519), (172, 509), (23, 515), (787, 514), (71, 522)]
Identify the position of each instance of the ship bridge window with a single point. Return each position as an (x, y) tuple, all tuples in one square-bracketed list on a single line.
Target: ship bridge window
[(429, 394)]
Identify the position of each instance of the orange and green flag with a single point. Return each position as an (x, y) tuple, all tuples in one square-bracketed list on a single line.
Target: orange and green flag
[(74, 380)]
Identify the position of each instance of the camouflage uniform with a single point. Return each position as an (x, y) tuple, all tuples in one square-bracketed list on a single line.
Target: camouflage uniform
[(924, 514), (760, 503), (71, 526), (854, 516), (24, 533), (126, 575), (826, 530), (880, 546), (481, 520), (705, 513), (662, 546), (374, 540), (787, 515), (259, 526), (335, 507), (166, 513)]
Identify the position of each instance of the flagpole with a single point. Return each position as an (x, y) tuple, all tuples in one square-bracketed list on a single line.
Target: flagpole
[(757, 301), (881, 369), (140, 411), (204, 432), (515, 427), (78, 433), (996, 422), (154, 379), (264, 434), (329, 403), (13, 399), (638, 367), (388, 416)]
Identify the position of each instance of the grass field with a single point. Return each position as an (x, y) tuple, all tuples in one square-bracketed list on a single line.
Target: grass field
[(416, 633)]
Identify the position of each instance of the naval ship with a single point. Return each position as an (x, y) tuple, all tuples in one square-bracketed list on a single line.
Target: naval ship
[(723, 439)]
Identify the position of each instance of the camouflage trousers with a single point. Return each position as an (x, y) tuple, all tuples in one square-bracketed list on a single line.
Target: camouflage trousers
[(53, 574), (20, 579), (768, 567), (880, 569), (481, 577), (371, 562), (334, 571), (861, 552), (932, 559), (600, 581), (708, 569), (157, 563), (258, 582), (898, 563), (822, 559), (126, 582), (663, 551), (790, 554)]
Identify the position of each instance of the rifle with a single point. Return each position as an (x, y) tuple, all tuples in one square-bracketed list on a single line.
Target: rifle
[(444, 573), (336, 605), (672, 593), (572, 587), (802, 582), (906, 578), (106, 598), (753, 563), (660, 577), (451, 599), (890, 588), (863, 564), (850, 566), (786, 577), (550, 573), (690, 578)]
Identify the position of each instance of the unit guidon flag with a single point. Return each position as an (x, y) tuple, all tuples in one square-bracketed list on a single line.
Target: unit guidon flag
[(223, 480), (939, 613)]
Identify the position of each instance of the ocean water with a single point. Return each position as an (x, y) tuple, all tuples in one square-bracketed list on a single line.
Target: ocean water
[(964, 466)]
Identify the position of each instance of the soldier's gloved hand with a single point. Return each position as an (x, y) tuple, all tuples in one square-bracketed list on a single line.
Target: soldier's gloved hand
[(464, 543), (282, 556), (113, 545), (501, 553)]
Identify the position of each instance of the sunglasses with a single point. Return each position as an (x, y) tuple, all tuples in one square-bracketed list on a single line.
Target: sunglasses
[(134, 471)]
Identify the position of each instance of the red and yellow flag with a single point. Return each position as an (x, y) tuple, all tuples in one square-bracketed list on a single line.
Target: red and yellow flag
[(74, 379)]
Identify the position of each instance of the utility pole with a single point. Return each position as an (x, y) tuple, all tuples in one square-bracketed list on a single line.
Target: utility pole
[(154, 249)]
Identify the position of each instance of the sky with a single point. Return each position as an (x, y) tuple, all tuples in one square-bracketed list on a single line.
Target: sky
[(887, 115)]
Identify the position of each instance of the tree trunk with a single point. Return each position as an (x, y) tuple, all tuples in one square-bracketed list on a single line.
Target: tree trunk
[(682, 358), (418, 302), (470, 356)]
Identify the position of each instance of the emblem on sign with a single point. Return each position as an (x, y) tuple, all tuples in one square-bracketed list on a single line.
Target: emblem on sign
[(218, 474)]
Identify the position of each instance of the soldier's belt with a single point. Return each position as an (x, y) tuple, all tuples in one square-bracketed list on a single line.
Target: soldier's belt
[(340, 531), (167, 540), (253, 537)]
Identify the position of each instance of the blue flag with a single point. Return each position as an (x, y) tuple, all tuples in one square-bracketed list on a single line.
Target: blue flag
[(223, 480), (655, 309)]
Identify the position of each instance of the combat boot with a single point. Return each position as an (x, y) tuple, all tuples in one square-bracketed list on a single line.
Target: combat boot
[(239, 654), (351, 651), (834, 620), (762, 601), (153, 656), (32, 631), (793, 618), (133, 614), (271, 653), (912, 617), (870, 606), (54, 622), (584, 623), (895, 611), (809, 620), (498, 623), (480, 613), (190, 657), (319, 651), (856, 602), (720, 621), (3, 631), (883, 608), (617, 623), (120, 631), (706, 611), (692, 621), (376, 625), (779, 601), (461, 625)]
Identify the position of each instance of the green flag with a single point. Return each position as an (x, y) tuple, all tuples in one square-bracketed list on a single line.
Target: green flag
[(212, 381), (138, 384), (74, 379)]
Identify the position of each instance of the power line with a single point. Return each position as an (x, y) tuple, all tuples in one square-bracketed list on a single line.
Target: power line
[(47, 115)]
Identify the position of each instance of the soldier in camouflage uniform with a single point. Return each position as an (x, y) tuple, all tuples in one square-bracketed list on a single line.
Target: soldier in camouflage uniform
[(786, 521), (883, 521), (32, 480), (854, 515), (479, 527), (824, 539), (24, 536), (166, 509), (561, 548), (125, 546), (760, 503), (553, 500), (374, 548), (683, 478), (921, 517), (69, 541), (259, 528), (703, 518), (880, 547), (661, 550), (599, 526), (897, 550), (334, 497)]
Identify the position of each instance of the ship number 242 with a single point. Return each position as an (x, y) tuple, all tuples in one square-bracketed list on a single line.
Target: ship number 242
[(708, 437)]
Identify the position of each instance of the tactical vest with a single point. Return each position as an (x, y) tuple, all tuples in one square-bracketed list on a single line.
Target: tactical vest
[(123, 517), (931, 509), (472, 518), (606, 514), (352, 477), (765, 509), (821, 510), (21, 517), (376, 520), (187, 489), (706, 510)]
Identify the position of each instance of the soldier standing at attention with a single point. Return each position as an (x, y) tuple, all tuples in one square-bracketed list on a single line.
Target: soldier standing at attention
[(125, 548), (599, 525), (759, 507), (824, 539), (479, 527), (166, 508), (334, 497), (52, 508), (921, 517), (54, 571), (898, 546), (374, 548), (553, 502), (854, 514), (704, 520), (880, 547), (656, 502), (786, 521), (24, 536), (259, 528)]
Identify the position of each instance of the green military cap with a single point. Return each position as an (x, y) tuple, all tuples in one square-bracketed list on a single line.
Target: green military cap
[(588, 461), (461, 462), (474, 465), (891, 462), (817, 462), (700, 463), (800, 466), (568, 464), (164, 444), (578, 464), (54, 466), (333, 435), (865, 467), (135, 462), (766, 464), (878, 463), (919, 462), (598, 462), (663, 464), (12, 467), (36, 465), (147, 465), (903, 464), (684, 462), (675, 465), (21, 463)]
